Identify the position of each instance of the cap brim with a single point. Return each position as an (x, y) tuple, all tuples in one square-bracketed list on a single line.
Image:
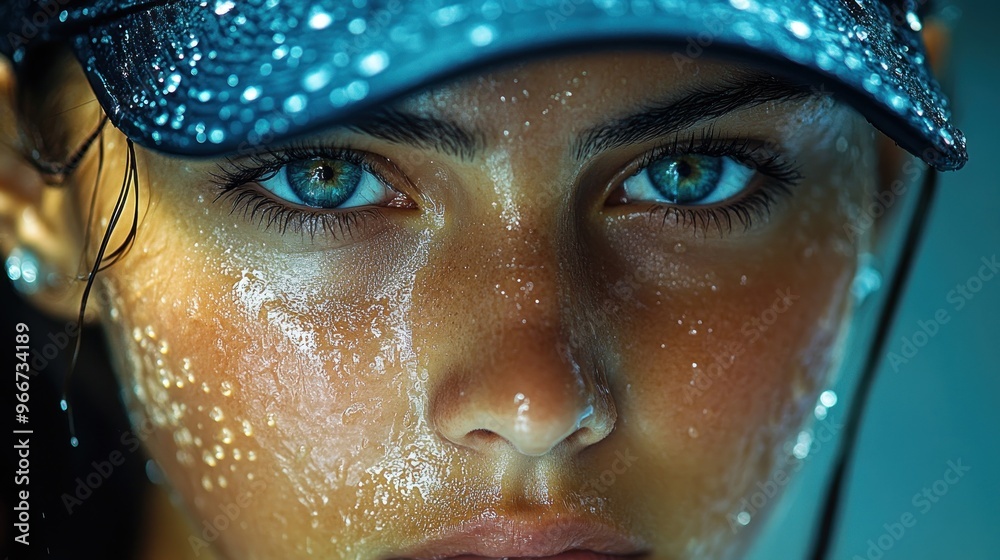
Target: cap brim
[(191, 81)]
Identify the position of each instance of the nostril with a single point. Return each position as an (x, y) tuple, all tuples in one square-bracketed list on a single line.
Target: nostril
[(481, 436)]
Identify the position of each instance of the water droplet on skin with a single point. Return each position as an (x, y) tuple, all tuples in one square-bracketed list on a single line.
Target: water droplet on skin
[(693, 432), (237, 454), (186, 364), (223, 482), (205, 388), (220, 453), (247, 428), (226, 388), (251, 455), (208, 458), (206, 483), (270, 419), (136, 334), (743, 280), (226, 435), (216, 414), (150, 332), (679, 248)]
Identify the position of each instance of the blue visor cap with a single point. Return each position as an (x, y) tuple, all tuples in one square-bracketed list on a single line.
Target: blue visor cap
[(210, 77)]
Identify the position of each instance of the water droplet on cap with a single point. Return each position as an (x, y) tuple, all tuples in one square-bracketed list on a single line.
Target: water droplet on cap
[(319, 19), (223, 7), (373, 63)]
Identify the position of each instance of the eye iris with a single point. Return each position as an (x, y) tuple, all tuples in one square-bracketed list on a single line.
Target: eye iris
[(324, 183), (685, 178)]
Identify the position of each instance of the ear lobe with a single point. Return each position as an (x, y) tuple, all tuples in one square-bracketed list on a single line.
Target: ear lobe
[(35, 239), (35, 229)]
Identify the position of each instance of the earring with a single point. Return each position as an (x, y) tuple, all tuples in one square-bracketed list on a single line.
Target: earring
[(25, 270)]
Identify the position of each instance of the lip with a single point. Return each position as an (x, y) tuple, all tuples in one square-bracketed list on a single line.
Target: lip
[(553, 538)]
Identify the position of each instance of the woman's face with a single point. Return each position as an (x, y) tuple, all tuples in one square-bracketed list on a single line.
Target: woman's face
[(582, 303)]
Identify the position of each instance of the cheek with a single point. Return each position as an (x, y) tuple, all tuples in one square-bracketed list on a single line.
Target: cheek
[(257, 383), (725, 346)]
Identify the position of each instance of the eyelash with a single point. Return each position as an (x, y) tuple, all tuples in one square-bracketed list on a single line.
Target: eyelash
[(234, 177), (780, 175)]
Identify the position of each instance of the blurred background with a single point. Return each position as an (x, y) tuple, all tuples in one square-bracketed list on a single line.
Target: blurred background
[(941, 405), (938, 407)]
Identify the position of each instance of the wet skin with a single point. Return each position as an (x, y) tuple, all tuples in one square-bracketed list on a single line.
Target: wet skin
[(506, 330)]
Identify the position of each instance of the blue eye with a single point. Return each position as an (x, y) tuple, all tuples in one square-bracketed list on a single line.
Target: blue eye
[(689, 179), (327, 183)]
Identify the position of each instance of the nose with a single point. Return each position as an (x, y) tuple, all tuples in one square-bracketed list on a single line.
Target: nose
[(515, 379), (531, 396)]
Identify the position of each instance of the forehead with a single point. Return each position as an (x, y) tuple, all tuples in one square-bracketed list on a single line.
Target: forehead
[(625, 74), (628, 96), (587, 88)]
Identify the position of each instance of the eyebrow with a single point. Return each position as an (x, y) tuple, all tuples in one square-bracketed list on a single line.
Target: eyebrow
[(742, 91), (425, 132)]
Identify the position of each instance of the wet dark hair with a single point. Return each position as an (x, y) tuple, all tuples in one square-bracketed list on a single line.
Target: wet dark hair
[(119, 501)]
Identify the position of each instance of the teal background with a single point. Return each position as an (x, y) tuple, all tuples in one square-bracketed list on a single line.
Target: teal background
[(942, 404)]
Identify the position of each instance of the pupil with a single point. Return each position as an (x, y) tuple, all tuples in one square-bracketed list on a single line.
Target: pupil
[(683, 169), (323, 173)]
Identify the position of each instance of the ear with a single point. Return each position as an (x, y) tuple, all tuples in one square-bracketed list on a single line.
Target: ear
[(897, 166), (37, 228)]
